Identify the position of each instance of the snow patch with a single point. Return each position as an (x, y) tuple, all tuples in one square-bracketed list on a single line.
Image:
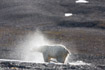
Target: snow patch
[(79, 63), (82, 1), (68, 14)]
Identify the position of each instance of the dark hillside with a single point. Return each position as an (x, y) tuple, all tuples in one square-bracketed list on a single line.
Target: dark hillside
[(84, 32)]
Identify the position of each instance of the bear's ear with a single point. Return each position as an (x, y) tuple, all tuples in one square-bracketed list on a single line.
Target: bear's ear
[(68, 50)]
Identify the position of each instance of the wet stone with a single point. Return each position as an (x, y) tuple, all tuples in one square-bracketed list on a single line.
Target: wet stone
[(6, 65)]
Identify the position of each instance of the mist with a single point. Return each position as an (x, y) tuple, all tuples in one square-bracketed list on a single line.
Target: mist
[(27, 49), (32, 41)]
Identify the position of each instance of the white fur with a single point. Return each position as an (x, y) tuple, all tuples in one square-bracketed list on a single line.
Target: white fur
[(58, 52)]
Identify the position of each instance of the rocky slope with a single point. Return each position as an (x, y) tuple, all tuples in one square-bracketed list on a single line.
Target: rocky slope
[(83, 33), (16, 65)]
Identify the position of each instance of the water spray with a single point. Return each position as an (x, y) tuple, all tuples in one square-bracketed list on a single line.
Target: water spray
[(32, 41), (35, 41)]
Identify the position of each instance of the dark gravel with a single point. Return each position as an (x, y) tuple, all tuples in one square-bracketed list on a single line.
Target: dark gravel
[(15, 65)]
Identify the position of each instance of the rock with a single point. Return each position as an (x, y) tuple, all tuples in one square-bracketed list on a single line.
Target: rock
[(17, 65)]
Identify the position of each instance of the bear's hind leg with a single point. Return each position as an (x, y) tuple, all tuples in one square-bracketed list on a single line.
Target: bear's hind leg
[(46, 58)]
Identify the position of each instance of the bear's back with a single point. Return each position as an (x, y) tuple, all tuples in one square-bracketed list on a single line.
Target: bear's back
[(54, 50)]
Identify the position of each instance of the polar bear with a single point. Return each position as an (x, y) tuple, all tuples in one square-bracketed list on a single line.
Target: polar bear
[(59, 52)]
